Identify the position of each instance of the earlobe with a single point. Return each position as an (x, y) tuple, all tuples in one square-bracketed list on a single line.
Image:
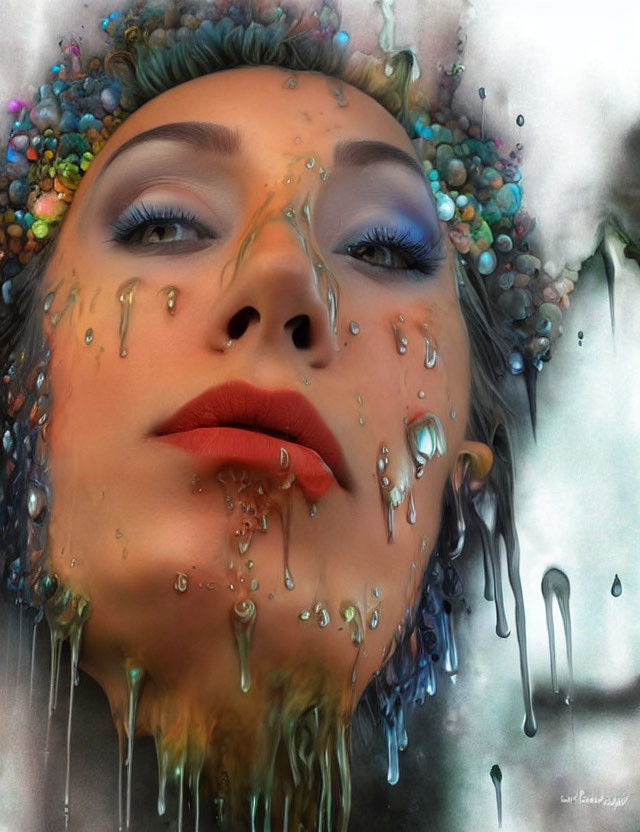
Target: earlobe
[(474, 461)]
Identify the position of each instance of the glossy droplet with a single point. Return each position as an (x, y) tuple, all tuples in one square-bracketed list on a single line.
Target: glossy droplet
[(125, 297), (402, 342), (181, 582), (322, 615), (313, 509), (36, 501), (288, 580), (374, 619), (254, 585), (71, 299), (421, 394), (88, 336), (411, 510), (520, 120), (304, 615), (171, 295), (426, 440), (482, 93), (323, 174), (243, 616), (310, 163), (496, 779), (291, 83), (452, 413), (354, 329), (616, 587), (430, 353), (284, 458), (48, 301)]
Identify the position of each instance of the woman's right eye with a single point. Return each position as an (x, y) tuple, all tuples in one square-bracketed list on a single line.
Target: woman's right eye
[(158, 226)]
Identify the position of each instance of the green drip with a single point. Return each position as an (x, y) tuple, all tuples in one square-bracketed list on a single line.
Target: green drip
[(135, 678)]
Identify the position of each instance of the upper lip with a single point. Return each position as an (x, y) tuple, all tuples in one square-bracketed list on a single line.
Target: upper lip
[(284, 414)]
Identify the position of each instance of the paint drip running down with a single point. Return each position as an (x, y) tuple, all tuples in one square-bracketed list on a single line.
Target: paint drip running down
[(496, 779), (555, 582)]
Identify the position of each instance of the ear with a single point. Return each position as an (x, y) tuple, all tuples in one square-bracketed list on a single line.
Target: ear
[(475, 461)]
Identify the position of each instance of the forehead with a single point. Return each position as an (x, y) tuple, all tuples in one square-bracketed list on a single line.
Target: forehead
[(271, 107)]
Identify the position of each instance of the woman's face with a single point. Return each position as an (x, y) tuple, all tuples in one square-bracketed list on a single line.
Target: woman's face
[(243, 289)]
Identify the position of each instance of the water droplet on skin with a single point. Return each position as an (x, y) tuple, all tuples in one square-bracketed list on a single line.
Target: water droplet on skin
[(210, 585), (288, 580), (291, 83), (323, 617), (555, 582), (290, 213), (411, 510), (338, 92), (250, 564), (71, 299), (181, 582), (313, 509), (171, 293), (430, 354), (616, 587), (284, 458), (421, 394), (254, 585), (310, 163), (304, 615), (125, 297), (359, 399), (496, 779), (354, 329), (72, 563), (48, 301), (323, 174), (426, 440), (297, 140), (520, 120), (374, 619), (88, 336), (40, 379), (361, 421), (306, 382), (118, 534), (271, 596), (375, 592), (243, 616), (452, 413), (401, 341), (228, 344)]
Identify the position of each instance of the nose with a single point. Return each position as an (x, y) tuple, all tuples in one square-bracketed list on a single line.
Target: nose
[(272, 298)]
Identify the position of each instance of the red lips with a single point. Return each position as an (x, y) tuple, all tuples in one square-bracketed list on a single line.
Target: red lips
[(277, 431)]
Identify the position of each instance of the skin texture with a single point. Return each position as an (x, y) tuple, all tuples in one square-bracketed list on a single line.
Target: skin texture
[(130, 512)]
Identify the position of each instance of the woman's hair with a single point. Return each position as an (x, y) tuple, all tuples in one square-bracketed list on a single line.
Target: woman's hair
[(146, 65)]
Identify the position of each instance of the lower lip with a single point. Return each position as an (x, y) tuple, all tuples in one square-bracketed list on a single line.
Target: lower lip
[(258, 451)]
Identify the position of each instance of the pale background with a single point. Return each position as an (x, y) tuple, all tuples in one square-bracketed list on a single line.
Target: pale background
[(572, 69)]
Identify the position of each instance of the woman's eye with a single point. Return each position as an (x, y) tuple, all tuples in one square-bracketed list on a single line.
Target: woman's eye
[(378, 255), (395, 250), (166, 233), (152, 226)]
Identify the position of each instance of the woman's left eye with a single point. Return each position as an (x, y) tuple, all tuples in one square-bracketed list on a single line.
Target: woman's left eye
[(147, 226), (396, 251)]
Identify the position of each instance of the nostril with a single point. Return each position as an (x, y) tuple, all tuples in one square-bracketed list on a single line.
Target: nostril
[(240, 322), (300, 328)]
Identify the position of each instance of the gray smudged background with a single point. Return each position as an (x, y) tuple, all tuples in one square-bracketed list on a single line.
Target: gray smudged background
[(572, 69)]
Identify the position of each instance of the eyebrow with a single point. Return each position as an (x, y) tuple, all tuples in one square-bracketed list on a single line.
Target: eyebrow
[(361, 153), (200, 135)]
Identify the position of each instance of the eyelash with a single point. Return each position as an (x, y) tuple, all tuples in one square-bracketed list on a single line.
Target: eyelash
[(424, 257), (136, 219)]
